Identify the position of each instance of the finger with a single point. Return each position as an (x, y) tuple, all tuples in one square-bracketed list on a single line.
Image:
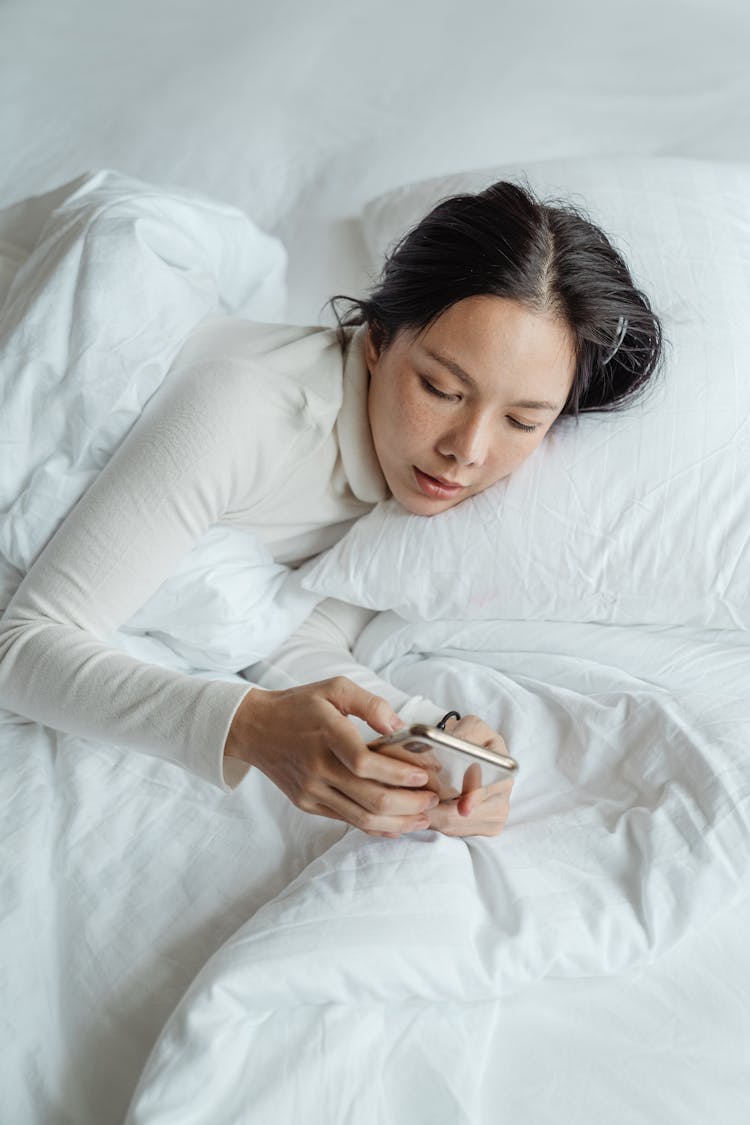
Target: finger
[(470, 800), (419, 759), (445, 817), (472, 791), (488, 820), (351, 699), (341, 805), (472, 778), (474, 729), (347, 745), (324, 810), (385, 800), (503, 787), (468, 803)]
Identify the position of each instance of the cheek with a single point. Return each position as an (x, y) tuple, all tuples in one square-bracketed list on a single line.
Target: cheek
[(511, 454), (412, 415), (397, 429)]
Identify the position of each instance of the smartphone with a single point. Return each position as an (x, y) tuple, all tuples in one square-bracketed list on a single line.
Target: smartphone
[(450, 762)]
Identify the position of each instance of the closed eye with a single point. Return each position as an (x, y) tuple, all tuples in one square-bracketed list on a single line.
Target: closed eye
[(428, 386), (521, 426)]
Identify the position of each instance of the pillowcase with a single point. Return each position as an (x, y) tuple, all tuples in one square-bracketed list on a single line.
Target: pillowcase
[(635, 517)]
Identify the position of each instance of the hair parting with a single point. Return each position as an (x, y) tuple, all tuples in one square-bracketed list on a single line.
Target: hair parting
[(505, 242)]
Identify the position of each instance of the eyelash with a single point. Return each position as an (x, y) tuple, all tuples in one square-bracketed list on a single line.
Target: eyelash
[(434, 391), (450, 398)]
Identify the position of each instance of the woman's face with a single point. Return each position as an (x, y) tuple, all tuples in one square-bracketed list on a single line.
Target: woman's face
[(464, 403)]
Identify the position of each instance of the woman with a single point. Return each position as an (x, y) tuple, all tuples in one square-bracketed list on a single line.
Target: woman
[(494, 317)]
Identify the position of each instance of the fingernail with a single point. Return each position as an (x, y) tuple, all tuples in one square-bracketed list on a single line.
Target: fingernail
[(395, 724), (418, 778), (422, 822), (434, 802)]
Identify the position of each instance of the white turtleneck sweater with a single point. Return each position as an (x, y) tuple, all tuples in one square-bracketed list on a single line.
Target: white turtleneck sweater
[(255, 426)]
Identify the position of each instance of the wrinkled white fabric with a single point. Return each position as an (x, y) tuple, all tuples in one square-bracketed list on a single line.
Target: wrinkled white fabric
[(121, 272), (630, 826)]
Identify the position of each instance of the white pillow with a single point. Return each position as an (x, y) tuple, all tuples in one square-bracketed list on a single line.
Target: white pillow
[(637, 517)]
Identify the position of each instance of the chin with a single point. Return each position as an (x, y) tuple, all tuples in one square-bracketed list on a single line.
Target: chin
[(424, 506)]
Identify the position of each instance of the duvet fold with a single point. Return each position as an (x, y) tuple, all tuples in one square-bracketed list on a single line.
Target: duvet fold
[(629, 828)]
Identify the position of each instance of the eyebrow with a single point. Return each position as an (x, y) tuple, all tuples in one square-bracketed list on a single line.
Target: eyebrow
[(458, 371)]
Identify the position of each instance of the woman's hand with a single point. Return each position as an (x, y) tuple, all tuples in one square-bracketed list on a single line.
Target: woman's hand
[(480, 810), (301, 739)]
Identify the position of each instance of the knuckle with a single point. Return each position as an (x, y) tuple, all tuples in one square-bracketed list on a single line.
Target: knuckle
[(374, 703), (380, 801), (305, 796), (359, 762)]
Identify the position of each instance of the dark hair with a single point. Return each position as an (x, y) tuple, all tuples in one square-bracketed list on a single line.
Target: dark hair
[(505, 242)]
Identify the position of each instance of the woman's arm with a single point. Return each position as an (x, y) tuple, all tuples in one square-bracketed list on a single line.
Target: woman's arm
[(213, 440), (322, 647), (177, 471)]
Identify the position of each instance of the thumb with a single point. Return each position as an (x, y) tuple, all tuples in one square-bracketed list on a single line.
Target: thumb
[(472, 790), (351, 699)]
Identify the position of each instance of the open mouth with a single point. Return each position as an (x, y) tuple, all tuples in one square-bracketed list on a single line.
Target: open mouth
[(434, 487)]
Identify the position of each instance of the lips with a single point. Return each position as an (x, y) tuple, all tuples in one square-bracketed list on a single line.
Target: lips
[(445, 483), (436, 486)]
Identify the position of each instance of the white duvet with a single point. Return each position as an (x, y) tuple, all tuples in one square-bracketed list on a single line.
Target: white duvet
[(284, 968), (630, 826)]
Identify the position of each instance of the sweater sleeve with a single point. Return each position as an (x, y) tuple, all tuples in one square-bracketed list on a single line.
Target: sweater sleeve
[(321, 648), (195, 448)]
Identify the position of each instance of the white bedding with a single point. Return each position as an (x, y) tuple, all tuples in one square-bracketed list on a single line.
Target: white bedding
[(630, 828), (632, 518), (590, 964), (371, 964)]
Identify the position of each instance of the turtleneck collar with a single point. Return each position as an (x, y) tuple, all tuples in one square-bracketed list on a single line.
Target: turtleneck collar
[(358, 456)]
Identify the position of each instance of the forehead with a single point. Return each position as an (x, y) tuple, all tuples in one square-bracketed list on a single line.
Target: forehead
[(496, 345)]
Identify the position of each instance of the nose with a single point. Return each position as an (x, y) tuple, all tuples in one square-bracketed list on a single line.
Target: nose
[(467, 442)]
